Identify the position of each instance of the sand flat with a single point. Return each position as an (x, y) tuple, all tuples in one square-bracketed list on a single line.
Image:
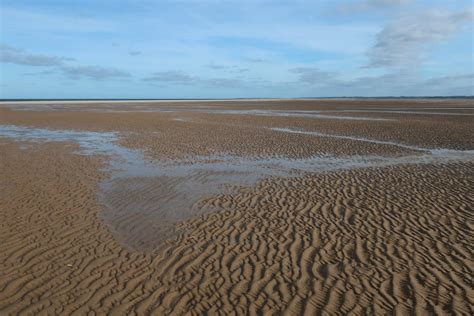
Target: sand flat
[(256, 206)]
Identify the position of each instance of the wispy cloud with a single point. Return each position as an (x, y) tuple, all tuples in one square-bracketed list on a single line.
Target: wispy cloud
[(238, 69), (134, 53), (228, 68), (453, 80), (216, 67), (401, 83), (369, 5), (395, 83), (401, 43), (38, 20), (225, 82), (395, 80), (14, 55), (171, 76), (180, 78), (93, 72), (254, 60), (314, 76), (40, 73)]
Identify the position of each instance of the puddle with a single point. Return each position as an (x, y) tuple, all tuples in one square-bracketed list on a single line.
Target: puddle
[(143, 200)]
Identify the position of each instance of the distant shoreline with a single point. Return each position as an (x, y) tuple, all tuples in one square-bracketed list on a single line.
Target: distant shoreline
[(230, 99)]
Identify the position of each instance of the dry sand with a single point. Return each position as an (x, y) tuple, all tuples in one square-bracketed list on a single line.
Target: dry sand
[(296, 206)]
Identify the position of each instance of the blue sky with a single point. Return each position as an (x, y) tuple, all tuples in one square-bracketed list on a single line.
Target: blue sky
[(226, 49)]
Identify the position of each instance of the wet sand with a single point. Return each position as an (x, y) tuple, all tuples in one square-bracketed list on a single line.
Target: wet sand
[(270, 206)]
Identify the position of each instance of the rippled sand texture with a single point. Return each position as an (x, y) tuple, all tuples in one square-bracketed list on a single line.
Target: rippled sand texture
[(374, 239)]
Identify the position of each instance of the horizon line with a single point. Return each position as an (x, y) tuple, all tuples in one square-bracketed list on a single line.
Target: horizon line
[(235, 99)]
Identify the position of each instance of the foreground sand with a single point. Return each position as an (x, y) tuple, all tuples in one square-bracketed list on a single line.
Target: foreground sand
[(365, 240)]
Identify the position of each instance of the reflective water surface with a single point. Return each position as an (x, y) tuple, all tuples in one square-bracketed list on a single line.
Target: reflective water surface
[(143, 199)]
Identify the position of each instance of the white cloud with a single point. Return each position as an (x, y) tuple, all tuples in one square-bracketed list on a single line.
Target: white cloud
[(401, 43)]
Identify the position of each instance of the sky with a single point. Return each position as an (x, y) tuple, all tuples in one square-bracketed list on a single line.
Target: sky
[(235, 49)]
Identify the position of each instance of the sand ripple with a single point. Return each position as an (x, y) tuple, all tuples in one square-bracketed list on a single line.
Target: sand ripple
[(393, 235), (363, 241)]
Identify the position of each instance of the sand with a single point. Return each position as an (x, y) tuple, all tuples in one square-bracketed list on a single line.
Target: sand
[(237, 207)]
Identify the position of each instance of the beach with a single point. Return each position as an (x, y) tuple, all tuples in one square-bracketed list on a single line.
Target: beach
[(302, 206)]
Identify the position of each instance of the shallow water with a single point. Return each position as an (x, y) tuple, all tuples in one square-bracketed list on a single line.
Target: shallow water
[(90, 142), (363, 139), (297, 113), (143, 199), (411, 111), (203, 109)]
